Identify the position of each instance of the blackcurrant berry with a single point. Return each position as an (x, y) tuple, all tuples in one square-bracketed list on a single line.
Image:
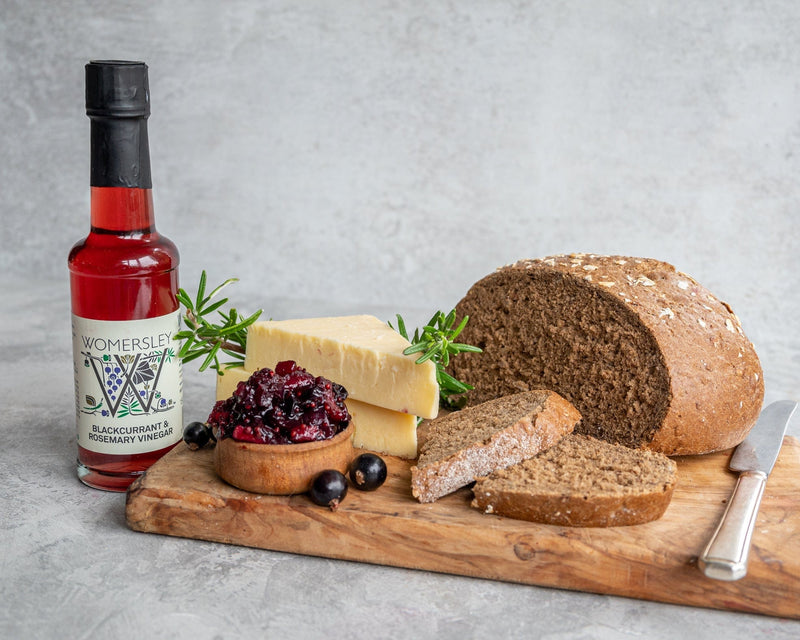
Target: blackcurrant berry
[(197, 435), (328, 489), (368, 472)]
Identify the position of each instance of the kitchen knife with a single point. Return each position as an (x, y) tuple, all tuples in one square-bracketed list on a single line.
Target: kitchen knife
[(725, 557)]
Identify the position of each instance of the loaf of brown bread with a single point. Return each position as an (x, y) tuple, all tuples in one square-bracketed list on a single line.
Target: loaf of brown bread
[(581, 482), (476, 441), (648, 356)]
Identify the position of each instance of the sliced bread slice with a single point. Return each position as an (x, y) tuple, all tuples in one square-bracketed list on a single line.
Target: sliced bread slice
[(581, 482), (476, 441)]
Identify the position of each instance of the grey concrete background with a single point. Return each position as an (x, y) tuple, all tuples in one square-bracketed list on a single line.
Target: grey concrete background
[(383, 153), (376, 156)]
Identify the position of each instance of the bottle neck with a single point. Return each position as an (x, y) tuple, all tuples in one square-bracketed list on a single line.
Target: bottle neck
[(121, 210), (122, 200)]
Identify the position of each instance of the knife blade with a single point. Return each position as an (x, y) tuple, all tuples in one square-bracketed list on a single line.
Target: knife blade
[(725, 557)]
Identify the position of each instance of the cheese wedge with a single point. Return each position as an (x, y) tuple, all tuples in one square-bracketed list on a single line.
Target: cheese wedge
[(376, 429), (382, 430), (360, 352)]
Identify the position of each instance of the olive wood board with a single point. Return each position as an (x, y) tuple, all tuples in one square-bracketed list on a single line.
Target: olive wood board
[(182, 496)]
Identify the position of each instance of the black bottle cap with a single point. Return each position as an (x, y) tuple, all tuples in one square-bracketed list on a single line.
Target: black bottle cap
[(117, 89), (118, 104)]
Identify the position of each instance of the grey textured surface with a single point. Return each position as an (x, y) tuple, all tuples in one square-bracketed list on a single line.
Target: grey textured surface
[(376, 157)]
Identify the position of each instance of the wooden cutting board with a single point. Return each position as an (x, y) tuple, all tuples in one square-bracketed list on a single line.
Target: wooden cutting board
[(182, 496)]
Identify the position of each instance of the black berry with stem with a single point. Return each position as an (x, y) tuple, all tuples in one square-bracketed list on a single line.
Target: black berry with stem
[(197, 435), (368, 472), (328, 489)]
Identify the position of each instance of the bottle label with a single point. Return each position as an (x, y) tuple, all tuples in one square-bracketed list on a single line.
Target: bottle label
[(128, 384)]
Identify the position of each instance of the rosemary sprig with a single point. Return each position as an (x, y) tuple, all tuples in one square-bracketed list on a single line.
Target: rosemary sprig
[(436, 342), (204, 338)]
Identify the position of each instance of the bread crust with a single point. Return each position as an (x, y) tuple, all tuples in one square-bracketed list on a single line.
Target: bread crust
[(544, 419), (575, 511), (713, 379)]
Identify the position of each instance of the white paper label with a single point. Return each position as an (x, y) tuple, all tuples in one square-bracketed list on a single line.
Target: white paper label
[(128, 384)]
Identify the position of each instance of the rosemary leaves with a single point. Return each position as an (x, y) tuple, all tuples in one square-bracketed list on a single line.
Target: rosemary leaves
[(436, 342), (208, 339)]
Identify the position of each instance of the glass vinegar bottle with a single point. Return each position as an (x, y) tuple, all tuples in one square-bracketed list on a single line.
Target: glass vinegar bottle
[(123, 284)]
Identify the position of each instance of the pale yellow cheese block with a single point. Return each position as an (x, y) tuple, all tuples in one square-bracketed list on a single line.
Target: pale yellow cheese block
[(376, 429), (360, 352), (382, 430)]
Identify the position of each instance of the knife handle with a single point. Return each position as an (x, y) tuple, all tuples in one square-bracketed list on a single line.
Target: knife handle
[(725, 557)]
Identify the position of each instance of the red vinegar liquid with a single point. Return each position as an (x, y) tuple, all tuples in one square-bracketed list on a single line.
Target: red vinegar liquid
[(123, 270)]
